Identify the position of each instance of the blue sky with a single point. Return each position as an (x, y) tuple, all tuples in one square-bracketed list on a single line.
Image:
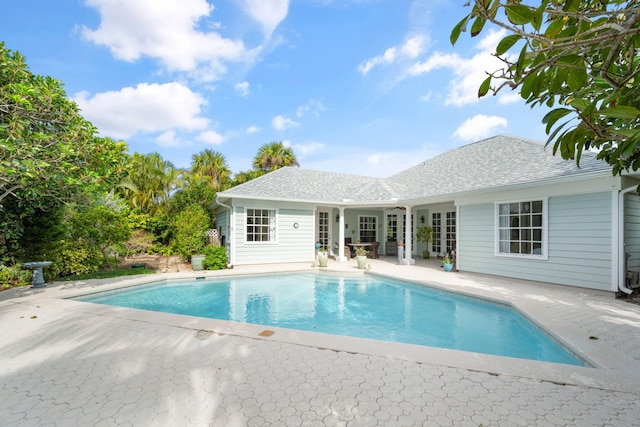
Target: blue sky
[(358, 86)]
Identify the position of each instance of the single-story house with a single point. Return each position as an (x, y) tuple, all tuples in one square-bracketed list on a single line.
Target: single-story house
[(506, 204)]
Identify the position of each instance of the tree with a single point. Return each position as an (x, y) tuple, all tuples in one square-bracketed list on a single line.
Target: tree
[(212, 166), (580, 56), (242, 177), (47, 149), (150, 182), (274, 155), (100, 228)]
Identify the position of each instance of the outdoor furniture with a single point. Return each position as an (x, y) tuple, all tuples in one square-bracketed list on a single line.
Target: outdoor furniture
[(371, 247)]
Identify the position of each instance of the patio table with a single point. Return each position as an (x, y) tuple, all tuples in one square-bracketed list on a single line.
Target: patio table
[(373, 248)]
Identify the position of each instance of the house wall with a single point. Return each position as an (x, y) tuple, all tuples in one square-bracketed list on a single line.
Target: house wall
[(579, 243), (293, 244)]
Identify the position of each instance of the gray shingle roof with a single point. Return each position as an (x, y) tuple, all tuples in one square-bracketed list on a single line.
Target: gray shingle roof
[(492, 163), (495, 162)]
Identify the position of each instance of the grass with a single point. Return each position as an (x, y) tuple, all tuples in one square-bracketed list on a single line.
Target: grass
[(107, 274)]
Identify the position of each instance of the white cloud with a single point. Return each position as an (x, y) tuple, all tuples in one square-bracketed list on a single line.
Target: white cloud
[(168, 139), (313, 106), (167, 31), (479, 127), (144, 108), (211, 137), (253, 129), (282, 122), (509, 97), (268, 13), (303, 150), (468, 73), (411, 49), (243, 88)]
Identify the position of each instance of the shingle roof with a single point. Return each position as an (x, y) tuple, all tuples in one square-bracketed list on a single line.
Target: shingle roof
[(492, 163), (495, 162)]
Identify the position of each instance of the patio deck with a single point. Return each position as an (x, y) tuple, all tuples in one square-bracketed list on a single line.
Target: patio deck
[(67, 363)]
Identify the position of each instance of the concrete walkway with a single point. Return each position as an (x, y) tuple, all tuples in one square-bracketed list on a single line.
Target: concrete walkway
[(68, 363)]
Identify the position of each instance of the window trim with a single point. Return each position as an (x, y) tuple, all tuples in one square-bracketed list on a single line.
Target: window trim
[(276, 215), (545, 230)]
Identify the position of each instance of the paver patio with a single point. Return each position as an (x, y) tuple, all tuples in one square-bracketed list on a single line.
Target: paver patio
[(67, 363)]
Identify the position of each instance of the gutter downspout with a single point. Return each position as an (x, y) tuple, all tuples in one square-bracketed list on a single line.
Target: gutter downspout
[(622, 259), (232, 259)]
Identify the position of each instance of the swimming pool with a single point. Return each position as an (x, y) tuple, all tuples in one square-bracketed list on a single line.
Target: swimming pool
[(366, 306)]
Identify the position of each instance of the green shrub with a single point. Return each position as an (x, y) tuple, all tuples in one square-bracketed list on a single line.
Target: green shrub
[(14, 276), (190, 227), (215, 258), (71, 258)]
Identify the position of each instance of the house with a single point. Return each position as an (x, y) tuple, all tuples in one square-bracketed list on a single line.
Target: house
[(506, 204)]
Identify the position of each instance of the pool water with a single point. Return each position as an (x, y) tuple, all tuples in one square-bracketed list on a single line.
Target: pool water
[(365, 306)]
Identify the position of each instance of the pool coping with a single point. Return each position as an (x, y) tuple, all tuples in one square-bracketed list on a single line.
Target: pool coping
[(611, 370)]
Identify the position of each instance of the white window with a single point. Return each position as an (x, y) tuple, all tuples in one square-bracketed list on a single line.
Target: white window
[(521, 229), (367, 228), (260, 225)]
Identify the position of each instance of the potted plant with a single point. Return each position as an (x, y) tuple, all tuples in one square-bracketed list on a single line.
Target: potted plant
[(446, 262), (424, 235), (323, 257), (361, 257)]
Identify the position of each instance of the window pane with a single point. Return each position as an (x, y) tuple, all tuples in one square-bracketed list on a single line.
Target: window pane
[(525, 247), (514, 208), (525, 221), (536, 220), (536, 206), (503, 221), (537, 235)]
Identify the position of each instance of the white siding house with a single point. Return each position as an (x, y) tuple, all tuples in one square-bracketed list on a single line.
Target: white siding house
[(507, 206)]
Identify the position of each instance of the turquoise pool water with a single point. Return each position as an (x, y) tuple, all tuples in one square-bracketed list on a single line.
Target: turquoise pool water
[(368, 307)]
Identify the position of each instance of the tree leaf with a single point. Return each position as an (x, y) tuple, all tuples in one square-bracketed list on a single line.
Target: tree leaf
[(460, 27), (484, 87), (553, 116), (477, 26), (507, 43), (518, 14), (554, 28), (621, 112)]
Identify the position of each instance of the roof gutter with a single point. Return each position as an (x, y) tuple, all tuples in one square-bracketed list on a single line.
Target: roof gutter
[(622, 260), (231, 231)]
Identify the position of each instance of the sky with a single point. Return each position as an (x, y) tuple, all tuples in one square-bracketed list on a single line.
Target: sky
[(365, 87)]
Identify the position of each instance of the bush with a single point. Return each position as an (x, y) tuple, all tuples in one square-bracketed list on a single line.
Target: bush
[(71, 258), (14, 276), (140, 241), (215, 258), (190, 227)]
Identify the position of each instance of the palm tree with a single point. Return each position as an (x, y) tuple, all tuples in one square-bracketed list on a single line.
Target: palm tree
[(242, 177), (212, 166), (274, 155), (150, 182)]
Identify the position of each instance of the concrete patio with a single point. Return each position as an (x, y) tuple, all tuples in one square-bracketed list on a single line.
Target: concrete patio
[(68, 363)]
